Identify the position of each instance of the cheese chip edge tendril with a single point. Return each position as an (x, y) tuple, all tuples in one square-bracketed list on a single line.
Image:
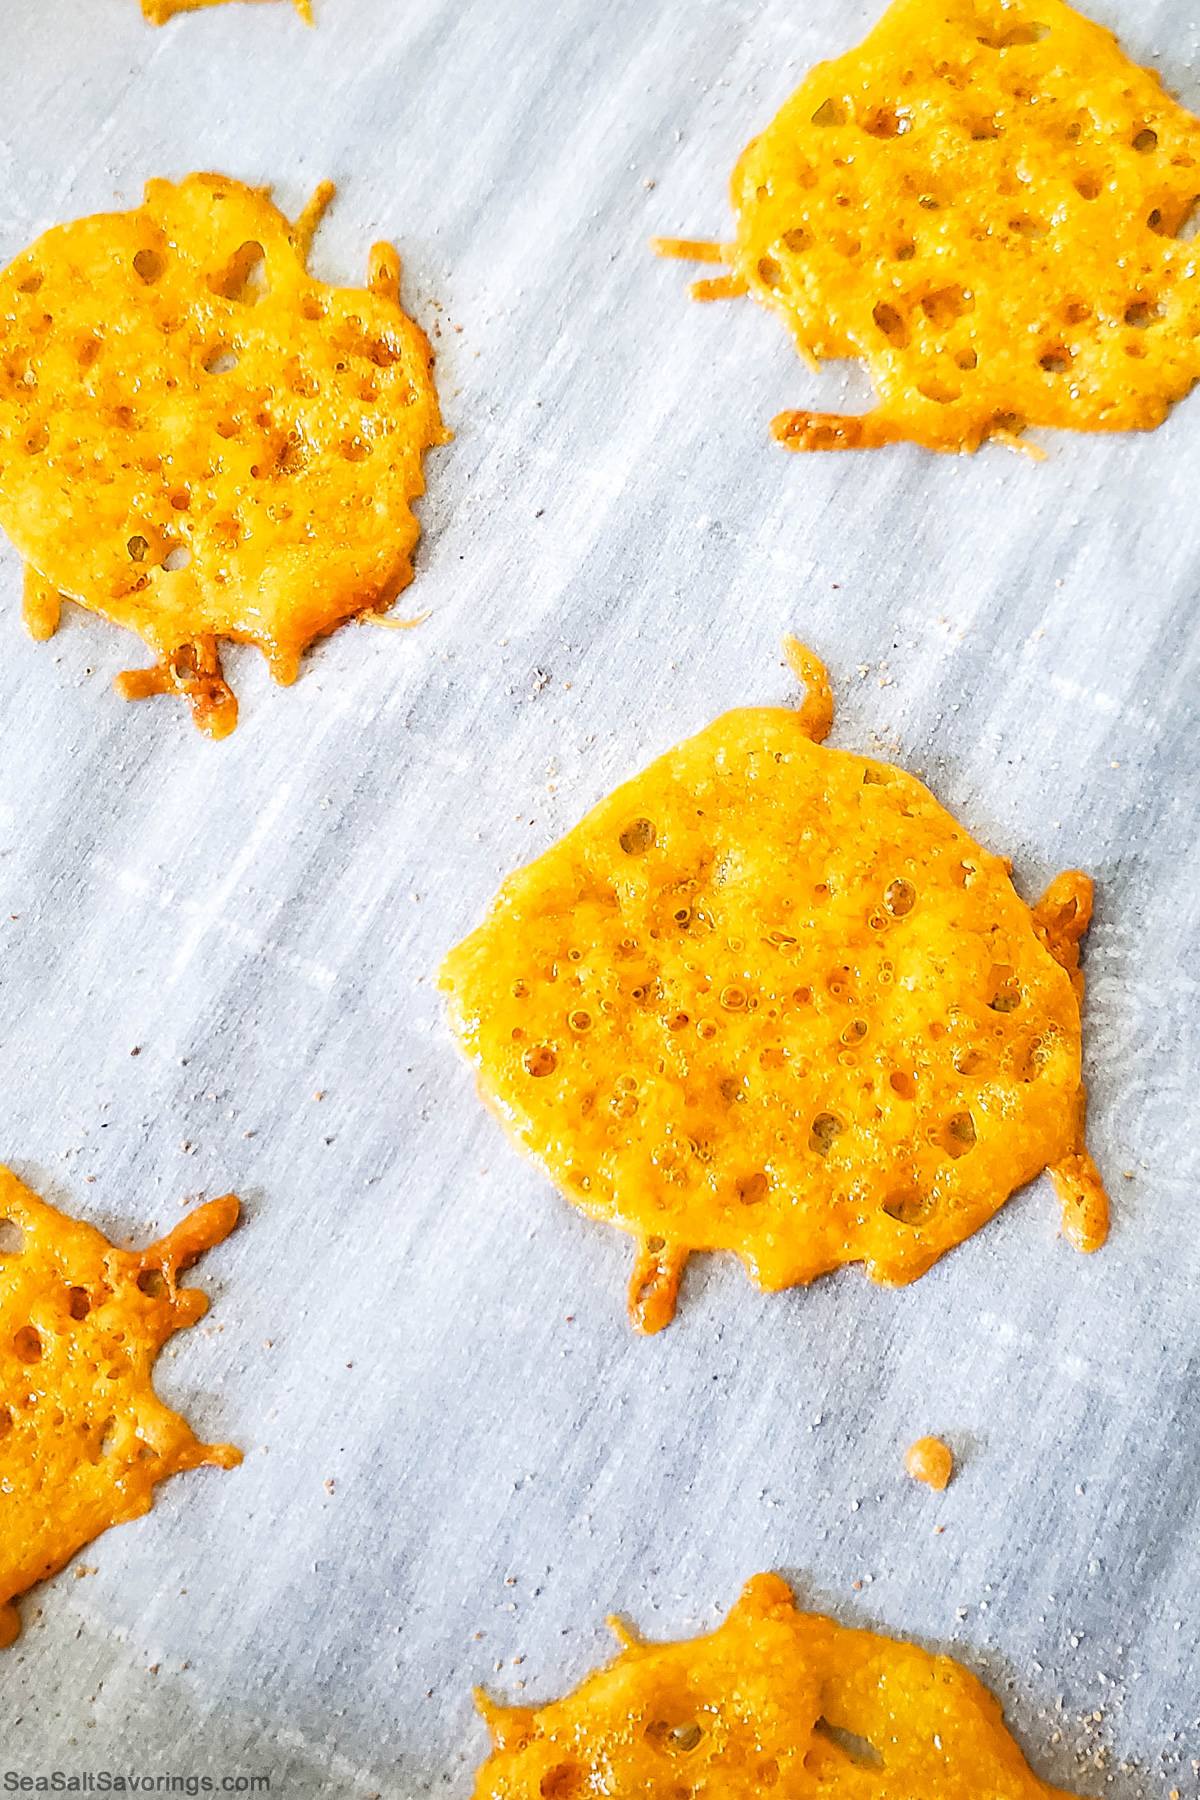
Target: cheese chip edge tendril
[(98, 1277), (1118, 168), (1050, 935), (157, 12), (772, 1698)]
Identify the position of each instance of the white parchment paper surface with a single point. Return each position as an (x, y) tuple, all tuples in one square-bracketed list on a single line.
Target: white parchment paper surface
[(458, 1458)]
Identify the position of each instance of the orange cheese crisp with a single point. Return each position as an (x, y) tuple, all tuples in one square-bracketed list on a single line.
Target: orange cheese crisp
[(930, 1461), (200, 441), (159, 11), (774, 1701), (83, 1436), (769, 997), (981, 203)]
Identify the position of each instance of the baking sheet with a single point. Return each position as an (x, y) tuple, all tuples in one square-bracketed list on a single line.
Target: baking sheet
[(612, 547)]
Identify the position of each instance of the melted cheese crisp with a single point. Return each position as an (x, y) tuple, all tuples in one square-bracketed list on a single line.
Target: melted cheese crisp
[(159, 11), (83, 1436), (981, 203), (769, 997), (200, 441), (775, 1701)]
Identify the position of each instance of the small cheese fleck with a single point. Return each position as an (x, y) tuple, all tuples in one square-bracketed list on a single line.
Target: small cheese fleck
[(931, 1461)]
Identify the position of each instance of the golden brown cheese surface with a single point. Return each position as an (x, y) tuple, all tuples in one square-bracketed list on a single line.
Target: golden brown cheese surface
[(980, 202), (775, 1701), (83, 1436), (200, 441), (769, 997), (159, 11)]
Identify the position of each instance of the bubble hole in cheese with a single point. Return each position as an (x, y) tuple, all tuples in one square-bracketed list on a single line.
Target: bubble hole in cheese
[(198, 440), (775, 1701), (983, 203), (83, 1436), (769, 997)]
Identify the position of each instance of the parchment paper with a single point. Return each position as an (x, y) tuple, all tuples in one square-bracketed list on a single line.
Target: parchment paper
[(612, 547)]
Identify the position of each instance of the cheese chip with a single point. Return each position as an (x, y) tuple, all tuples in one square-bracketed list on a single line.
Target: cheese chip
[(773, 1701), (159, 11), (83, 1436), (200, 441), (981, 202), (769, 997)]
